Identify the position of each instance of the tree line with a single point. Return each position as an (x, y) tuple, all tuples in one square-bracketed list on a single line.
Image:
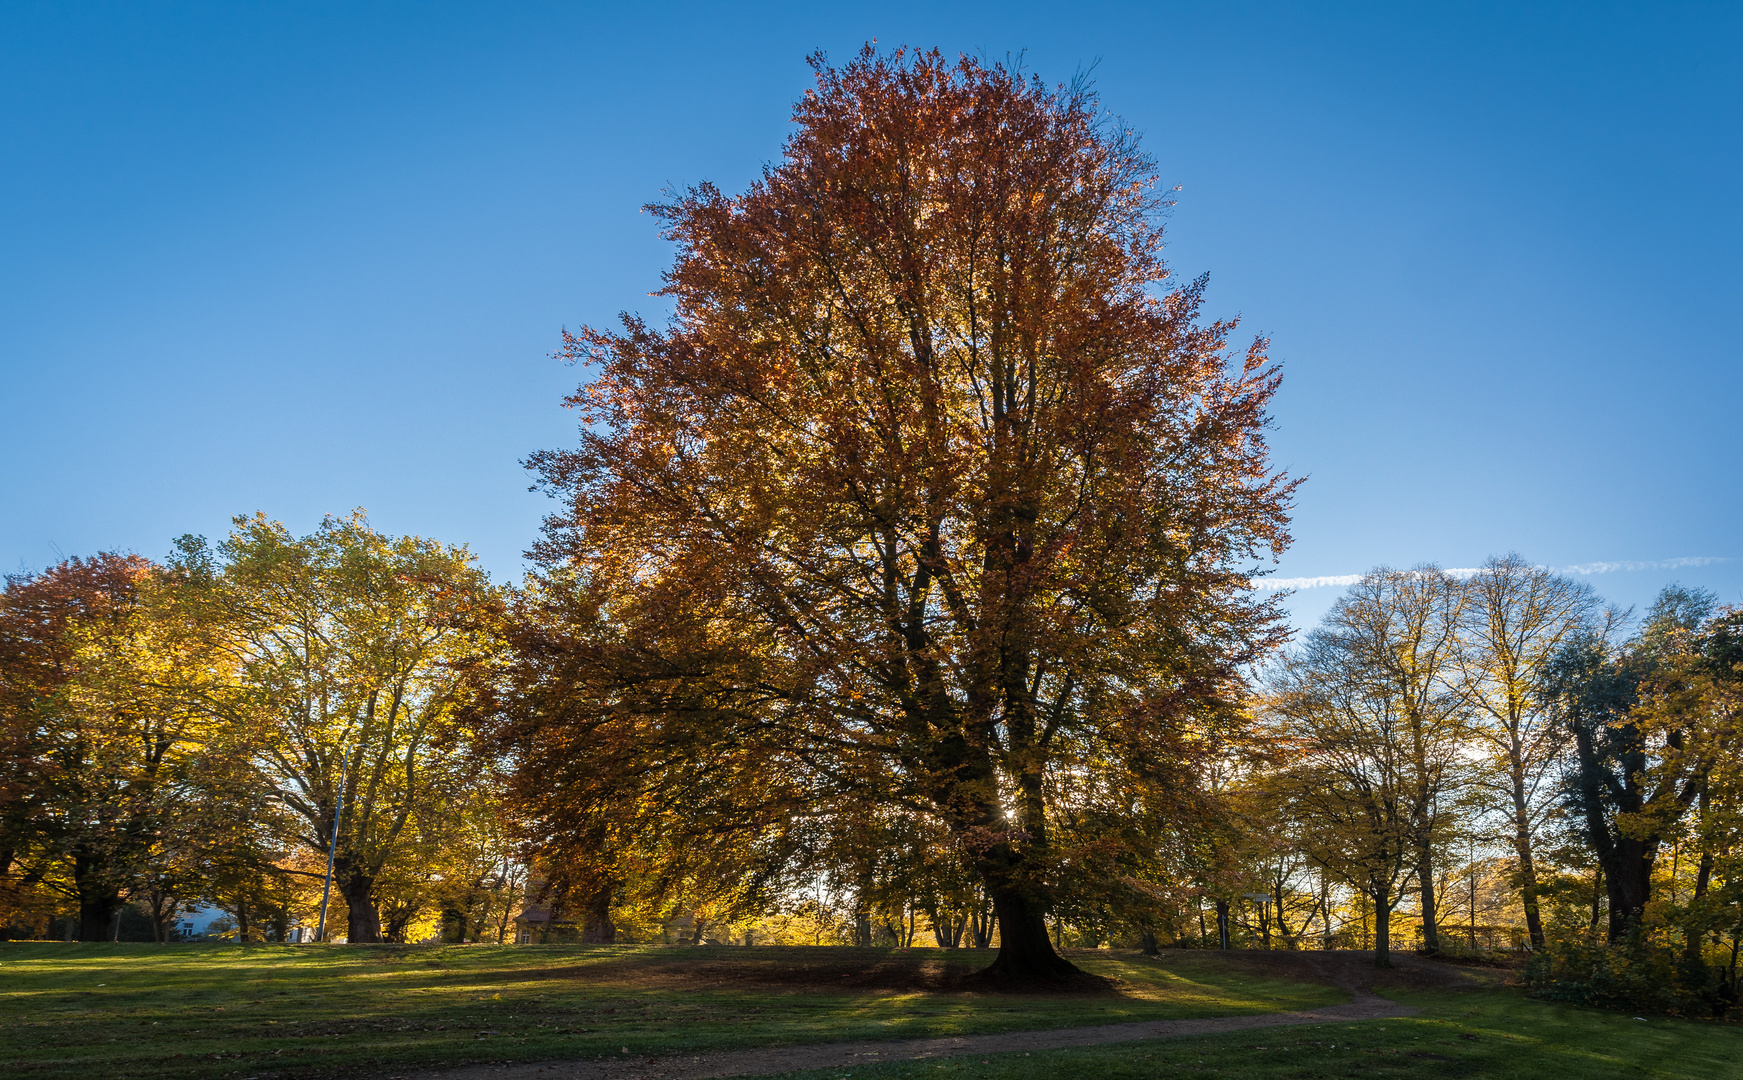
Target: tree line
[(904, 581), (220, 726), (1433, 717)]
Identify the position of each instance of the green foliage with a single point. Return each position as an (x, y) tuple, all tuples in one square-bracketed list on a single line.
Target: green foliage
[(1643, 973)]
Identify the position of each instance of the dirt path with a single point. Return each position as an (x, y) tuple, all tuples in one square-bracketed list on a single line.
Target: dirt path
[(1336, 969)]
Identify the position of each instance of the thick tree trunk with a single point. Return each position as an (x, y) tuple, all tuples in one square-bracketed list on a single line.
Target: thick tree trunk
[(1527, 863), (99, 900), (1025, 952), (1430, 913), (363, 922), (393, 928), (596, 925), (453, 926), (1222, 924), (1626, 860), (603, 932), (1383, 930), (1630, 882), (943, 926), (1528, 891), (1148, 943), (985, 922), (1009, 875), (162, 909)]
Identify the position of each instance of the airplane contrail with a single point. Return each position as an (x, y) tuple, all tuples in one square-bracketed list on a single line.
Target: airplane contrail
[(1582, 569)]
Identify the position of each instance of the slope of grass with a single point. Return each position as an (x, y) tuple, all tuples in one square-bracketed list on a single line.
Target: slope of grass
[(1495, 1034), (220, 1010)]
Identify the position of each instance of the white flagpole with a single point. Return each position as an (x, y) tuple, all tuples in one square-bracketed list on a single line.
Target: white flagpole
[(332, 848)]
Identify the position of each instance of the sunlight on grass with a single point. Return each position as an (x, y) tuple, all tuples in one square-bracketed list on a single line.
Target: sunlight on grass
[(216, 1011), (1496, 1034), (210, 1010)]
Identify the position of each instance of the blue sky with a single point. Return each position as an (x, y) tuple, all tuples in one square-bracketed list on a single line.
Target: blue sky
[(300, 258)]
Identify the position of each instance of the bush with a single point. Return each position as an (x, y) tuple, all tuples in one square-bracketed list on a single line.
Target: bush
[(1642, 974)]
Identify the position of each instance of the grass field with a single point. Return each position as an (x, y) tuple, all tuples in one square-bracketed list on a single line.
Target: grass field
[(307, 1011), (219, 1011), (1491, 1034)]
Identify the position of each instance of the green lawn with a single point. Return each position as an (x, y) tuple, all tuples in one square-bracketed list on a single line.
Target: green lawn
[(303, 1011), (222, 1010), (1494, 1034)]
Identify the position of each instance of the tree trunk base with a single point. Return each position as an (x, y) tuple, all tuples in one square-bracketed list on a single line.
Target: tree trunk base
[(1053, 975)]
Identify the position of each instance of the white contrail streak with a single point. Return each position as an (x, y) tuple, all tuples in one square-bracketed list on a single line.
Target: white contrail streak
[(1583, 569), (1271, 584), (1659, 564)]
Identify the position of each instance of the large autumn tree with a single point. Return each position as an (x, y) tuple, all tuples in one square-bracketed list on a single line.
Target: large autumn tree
[(933, 492)]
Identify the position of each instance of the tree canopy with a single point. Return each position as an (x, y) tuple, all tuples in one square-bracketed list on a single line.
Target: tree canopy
[(933, 494)]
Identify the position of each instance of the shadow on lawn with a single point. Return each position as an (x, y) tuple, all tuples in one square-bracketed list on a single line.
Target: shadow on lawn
[(842, 970), (797, 970)]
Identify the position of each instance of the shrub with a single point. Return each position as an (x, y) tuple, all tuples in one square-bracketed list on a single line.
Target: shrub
[(1642, 974)]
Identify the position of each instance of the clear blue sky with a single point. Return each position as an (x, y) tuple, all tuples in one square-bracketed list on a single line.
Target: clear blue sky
[(299, 258)]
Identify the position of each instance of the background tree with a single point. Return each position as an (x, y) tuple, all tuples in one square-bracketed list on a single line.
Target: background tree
[(54, 819), (1630, 780), (100, 760), (1519, 616), (622, 808), (482, 879), (1350, 779), (927, 496), (1694, 710), (1716, 905), (1223, 852), (350, 661), (1396, 636)]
